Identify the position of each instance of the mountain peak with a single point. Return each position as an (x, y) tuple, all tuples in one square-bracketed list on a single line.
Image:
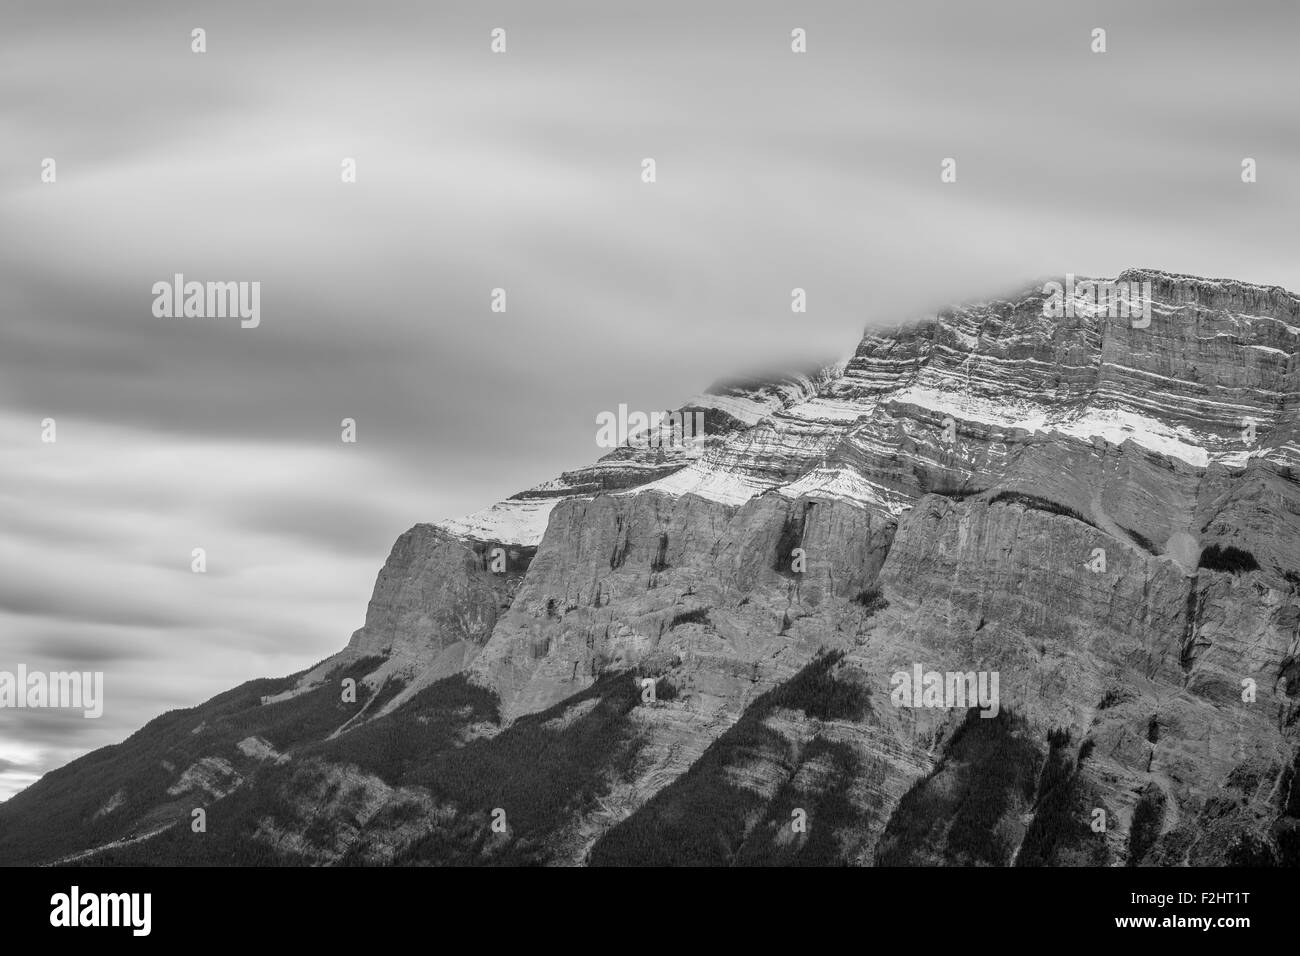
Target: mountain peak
[(1096, 517)]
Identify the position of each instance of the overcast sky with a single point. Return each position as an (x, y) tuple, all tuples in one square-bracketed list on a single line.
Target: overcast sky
[(519, 170)]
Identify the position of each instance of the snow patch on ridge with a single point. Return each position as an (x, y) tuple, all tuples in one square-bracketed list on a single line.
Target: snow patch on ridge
[(1118, 425), (844, 484), (707, 481), (514, 521), (1115, 425), (825, 409), (739, 407)]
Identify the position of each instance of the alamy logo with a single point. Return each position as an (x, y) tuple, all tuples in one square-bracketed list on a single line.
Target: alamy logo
[(1129, 300), (103, 909), (953, 689), (208, 300), (680, 431), (59, 689)]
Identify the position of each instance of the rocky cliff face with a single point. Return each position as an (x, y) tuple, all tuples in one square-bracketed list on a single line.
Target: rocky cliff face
[(1103, 516), (1066, 440)]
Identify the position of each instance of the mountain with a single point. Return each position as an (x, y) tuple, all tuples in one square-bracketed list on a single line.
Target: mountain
[(673, 659)]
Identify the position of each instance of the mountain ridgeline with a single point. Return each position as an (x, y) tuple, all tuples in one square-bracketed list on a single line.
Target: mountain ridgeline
[(662, 659)]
